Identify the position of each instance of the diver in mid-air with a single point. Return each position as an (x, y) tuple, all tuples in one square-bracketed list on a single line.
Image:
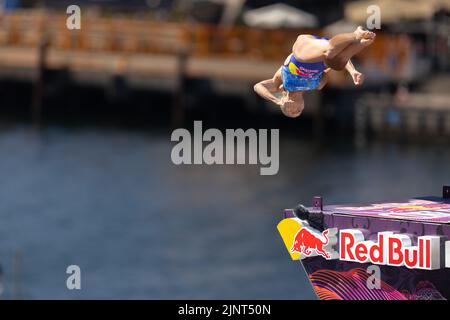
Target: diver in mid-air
[(308, 66)]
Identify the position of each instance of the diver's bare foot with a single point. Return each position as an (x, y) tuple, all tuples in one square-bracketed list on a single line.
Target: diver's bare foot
[(366, 42), (364, 35)]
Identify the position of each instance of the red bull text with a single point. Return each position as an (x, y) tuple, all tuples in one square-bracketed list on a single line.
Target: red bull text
[(391, 249)]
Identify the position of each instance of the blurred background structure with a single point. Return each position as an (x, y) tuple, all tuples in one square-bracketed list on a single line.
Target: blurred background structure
[(85, 138), (181, 47)]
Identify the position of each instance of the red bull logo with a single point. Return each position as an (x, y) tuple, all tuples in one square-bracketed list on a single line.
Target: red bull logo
[(306, 241), (354, 245), (303, 241)]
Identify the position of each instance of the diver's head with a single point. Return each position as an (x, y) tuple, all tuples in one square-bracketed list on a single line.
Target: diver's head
[(292, 104)]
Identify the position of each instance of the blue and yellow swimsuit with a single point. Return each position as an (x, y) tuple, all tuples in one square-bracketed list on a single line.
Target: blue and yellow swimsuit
[(301, 76)]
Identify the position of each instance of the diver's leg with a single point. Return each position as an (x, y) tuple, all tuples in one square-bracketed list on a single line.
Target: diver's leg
[(340, 60), (344, 41), (339, 42), (309, 49)]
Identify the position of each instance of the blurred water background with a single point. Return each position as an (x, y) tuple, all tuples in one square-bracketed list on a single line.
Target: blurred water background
[(111, 201)]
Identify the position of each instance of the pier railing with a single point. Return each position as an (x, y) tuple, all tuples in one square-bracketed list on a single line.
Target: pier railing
[(126, 34), (120, 34)]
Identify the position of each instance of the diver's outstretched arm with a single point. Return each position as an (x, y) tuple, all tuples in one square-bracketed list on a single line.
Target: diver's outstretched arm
[(267, 88), (358, 77)]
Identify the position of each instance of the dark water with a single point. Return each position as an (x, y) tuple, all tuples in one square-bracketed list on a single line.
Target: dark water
[(112, 202)]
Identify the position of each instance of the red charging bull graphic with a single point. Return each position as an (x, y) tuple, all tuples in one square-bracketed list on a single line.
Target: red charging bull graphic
[(305, 241)]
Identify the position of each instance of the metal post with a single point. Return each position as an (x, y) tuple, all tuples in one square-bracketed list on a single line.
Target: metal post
[(38, 90), (179, 94), (446, 192)]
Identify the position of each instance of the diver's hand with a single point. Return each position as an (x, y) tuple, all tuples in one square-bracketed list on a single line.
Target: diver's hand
[(358, 78)]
